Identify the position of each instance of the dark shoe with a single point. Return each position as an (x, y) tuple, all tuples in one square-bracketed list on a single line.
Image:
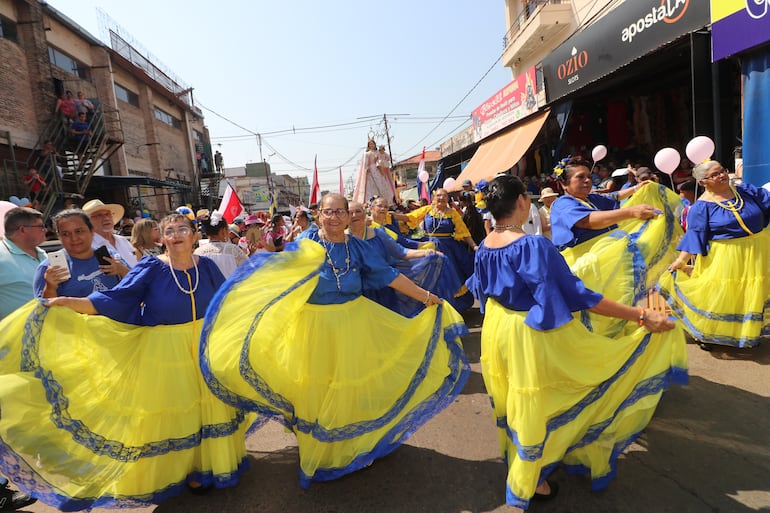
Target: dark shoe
[(200, 490), (704, 346), (547, 496), (12, 499)]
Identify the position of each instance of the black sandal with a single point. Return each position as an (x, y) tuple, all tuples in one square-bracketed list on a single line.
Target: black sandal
[(547, 496)]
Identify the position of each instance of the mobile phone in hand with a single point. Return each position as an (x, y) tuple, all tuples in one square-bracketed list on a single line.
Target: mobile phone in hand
[(278, 241), (59, 259), (101, 253)]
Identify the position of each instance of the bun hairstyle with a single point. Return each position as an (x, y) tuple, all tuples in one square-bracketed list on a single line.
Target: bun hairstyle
[(502, 194), (214, 223), (565, 167)]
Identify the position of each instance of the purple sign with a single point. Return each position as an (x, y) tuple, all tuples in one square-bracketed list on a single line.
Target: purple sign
[(747, 27)]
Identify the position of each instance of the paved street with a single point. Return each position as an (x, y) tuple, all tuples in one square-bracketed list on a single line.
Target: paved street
[(706, 450)]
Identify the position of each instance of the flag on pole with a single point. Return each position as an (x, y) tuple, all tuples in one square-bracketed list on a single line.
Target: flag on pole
[(422, 186), (273, 201), (314, 187), (342, 187), (231, 207)]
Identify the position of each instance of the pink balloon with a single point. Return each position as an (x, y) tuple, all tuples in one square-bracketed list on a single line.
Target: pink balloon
[(599, 152), (423, 176), (667, 160), (449, 183), (699, 149)]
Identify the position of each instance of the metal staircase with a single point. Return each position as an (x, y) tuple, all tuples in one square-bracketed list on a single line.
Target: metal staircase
[(69, 169)]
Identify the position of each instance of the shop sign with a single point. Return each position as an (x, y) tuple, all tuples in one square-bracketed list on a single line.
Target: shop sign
[(738, 25), (632, 30), (513, 102)]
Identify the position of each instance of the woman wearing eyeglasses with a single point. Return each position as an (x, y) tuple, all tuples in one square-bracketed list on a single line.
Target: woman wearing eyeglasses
[(724, 298), (351, 378), (117, 414), (427, 267), (618, 251)]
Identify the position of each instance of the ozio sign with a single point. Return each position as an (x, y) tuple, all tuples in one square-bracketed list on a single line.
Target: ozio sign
[(630, 31), (576, 62)]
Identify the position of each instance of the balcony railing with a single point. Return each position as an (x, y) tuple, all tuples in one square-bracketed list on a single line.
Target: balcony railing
[(531, 9)]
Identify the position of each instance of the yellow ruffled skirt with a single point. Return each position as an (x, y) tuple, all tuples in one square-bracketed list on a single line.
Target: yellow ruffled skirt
[(351, 380), (97, 413), (625, 264), (569, 396), (726, 299)]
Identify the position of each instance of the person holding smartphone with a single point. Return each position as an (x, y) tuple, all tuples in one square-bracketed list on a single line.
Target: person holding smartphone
[(81, 271)]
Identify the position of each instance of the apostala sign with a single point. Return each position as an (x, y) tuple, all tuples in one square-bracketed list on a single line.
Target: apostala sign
[(632, 30)]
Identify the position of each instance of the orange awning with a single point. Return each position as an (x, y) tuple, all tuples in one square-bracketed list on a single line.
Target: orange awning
[(501, 152)]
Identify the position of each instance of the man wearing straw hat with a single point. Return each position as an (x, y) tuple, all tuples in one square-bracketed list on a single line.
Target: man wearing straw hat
[(547, 197), (104, 217)]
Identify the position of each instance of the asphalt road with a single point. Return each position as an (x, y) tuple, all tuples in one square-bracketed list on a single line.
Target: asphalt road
[(706, 450)]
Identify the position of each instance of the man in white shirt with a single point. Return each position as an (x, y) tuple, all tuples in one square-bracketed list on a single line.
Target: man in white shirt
[(104, 217)]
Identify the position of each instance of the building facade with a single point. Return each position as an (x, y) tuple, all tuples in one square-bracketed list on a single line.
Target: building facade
[(149, 147)]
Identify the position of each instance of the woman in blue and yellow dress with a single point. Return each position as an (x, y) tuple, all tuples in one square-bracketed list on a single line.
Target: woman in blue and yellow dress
[(111, 410), (618, 251), (428, 268), (290, 336), (444, 227), (725, 299), (561, 394)]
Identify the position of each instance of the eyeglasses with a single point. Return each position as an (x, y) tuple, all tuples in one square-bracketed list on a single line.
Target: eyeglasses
[(715, 174), (339, 212), (38, 226), (183, 231)]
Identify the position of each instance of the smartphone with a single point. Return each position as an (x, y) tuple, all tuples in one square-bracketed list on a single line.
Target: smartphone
[(102, 252), (278, 241), (59, 259)]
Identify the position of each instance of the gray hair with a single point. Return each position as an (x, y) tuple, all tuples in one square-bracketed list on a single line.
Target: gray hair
[(700, 171)]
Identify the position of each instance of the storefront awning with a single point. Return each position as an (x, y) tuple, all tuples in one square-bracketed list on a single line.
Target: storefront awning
[(501, 152)]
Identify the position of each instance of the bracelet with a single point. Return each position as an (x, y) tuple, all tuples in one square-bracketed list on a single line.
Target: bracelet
[(427, 297), (641, 316)]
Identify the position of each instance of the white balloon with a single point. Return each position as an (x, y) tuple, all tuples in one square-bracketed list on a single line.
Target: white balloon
[(449, 183), (423, 176), (599, 152), (699, 149)]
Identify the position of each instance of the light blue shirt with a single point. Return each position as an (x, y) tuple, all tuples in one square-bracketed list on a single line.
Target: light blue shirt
[(17, 270)]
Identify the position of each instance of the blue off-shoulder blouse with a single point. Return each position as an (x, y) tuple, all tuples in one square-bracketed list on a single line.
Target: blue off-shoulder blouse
[(530, 275), (149, 296), (567, 210), (707, 221), (367, 270)]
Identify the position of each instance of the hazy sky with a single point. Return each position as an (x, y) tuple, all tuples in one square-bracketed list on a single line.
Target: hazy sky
[(299, 64)]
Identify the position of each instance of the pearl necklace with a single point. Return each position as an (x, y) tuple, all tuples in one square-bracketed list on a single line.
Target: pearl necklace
[(176, 280), (506, 227), (437, 218), (338, 273)]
